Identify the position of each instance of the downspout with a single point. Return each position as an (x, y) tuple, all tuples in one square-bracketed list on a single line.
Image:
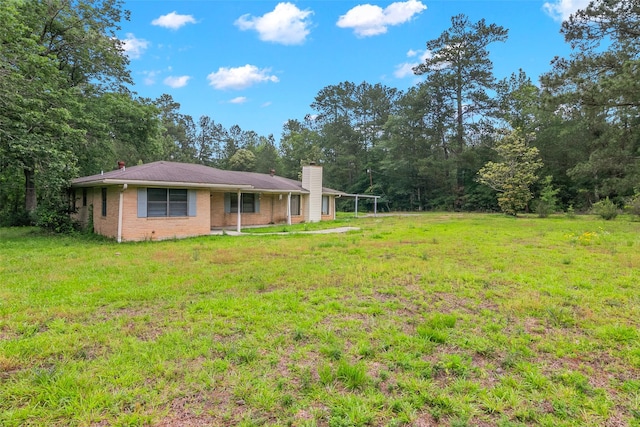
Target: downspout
[(120, 205), (289, 209), (238, 225)]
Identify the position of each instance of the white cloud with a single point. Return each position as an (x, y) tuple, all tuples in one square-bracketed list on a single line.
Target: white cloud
[(240, 77), (177, 82), (286, 24), (403, 70), (173, 21), (406, 68), (134, 47), (371, 20), (238, 100), (150, 77), (266, 104), (560, 10)]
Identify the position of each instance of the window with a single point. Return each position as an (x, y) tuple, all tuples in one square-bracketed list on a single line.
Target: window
[(84, 197), (325, 205), (250, 202), (295, 204), (104, 202), (167, 202)]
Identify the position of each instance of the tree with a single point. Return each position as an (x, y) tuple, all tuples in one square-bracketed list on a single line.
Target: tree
[(459, 65), (603, 69), (117, 128), (513, 176), (415, 164), (209, 139), (53, 55), (601, 80), (242, 160), (519, 102), (267, 156), (350, 123), (548, 202), (177, 134), (299, 145), (460, 58)]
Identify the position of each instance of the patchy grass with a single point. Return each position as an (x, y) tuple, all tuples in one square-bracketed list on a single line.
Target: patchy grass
[(343, 221), (416, 320)]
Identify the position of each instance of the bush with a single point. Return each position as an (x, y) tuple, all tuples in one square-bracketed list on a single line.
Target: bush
[(547, 203), (14, 218), (54, 217), (633, 205), (606, 209), (570, 212)]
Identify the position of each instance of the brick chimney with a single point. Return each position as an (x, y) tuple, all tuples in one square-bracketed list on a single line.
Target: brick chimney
[(312, 182)]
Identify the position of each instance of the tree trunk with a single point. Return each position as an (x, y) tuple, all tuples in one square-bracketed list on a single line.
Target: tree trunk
[(30, 200)]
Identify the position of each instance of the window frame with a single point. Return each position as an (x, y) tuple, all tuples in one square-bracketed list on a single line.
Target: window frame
[(104, 202), (167, 202), (295, 212), (328, 210), (250, 203)]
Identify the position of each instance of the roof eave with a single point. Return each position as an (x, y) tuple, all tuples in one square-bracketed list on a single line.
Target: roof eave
[(172, 184)]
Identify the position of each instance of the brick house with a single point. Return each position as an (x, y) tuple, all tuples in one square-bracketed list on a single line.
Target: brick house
[(163, 200)]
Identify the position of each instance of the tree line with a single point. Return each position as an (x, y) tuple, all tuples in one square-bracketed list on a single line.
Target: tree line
[(459, 140)]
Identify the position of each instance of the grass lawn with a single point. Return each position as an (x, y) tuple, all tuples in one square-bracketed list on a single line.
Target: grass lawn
[(435, 319)]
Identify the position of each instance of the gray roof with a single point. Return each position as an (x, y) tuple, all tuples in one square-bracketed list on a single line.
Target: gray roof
[(191, 175)]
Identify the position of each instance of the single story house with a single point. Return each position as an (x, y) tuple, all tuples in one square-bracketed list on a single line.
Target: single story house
[(163, 200)]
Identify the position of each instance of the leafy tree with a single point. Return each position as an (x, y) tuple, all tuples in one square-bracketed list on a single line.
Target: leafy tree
[(243, 160), (53, 55), (299, 145), (267, 156), (513, 176)]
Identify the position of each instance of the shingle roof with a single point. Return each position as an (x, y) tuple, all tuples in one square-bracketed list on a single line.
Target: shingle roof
[(192, 175)]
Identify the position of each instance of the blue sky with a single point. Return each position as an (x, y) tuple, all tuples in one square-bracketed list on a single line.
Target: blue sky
[(258, 63)]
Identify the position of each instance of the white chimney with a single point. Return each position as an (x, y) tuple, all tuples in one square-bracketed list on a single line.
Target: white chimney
[(312, 182)]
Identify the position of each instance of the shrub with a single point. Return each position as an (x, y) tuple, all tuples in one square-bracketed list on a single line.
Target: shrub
[(633, 205), (54, 217), (606, 209), (547, 203), (17, 217), (571, 212)]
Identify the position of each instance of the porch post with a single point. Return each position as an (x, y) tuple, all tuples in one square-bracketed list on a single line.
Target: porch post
[(375, 206), (289, 209), (332, 202), (356, 206), (238, 222)]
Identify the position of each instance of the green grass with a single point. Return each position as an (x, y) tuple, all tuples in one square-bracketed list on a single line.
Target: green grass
[(438, 318), (340, 221)]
